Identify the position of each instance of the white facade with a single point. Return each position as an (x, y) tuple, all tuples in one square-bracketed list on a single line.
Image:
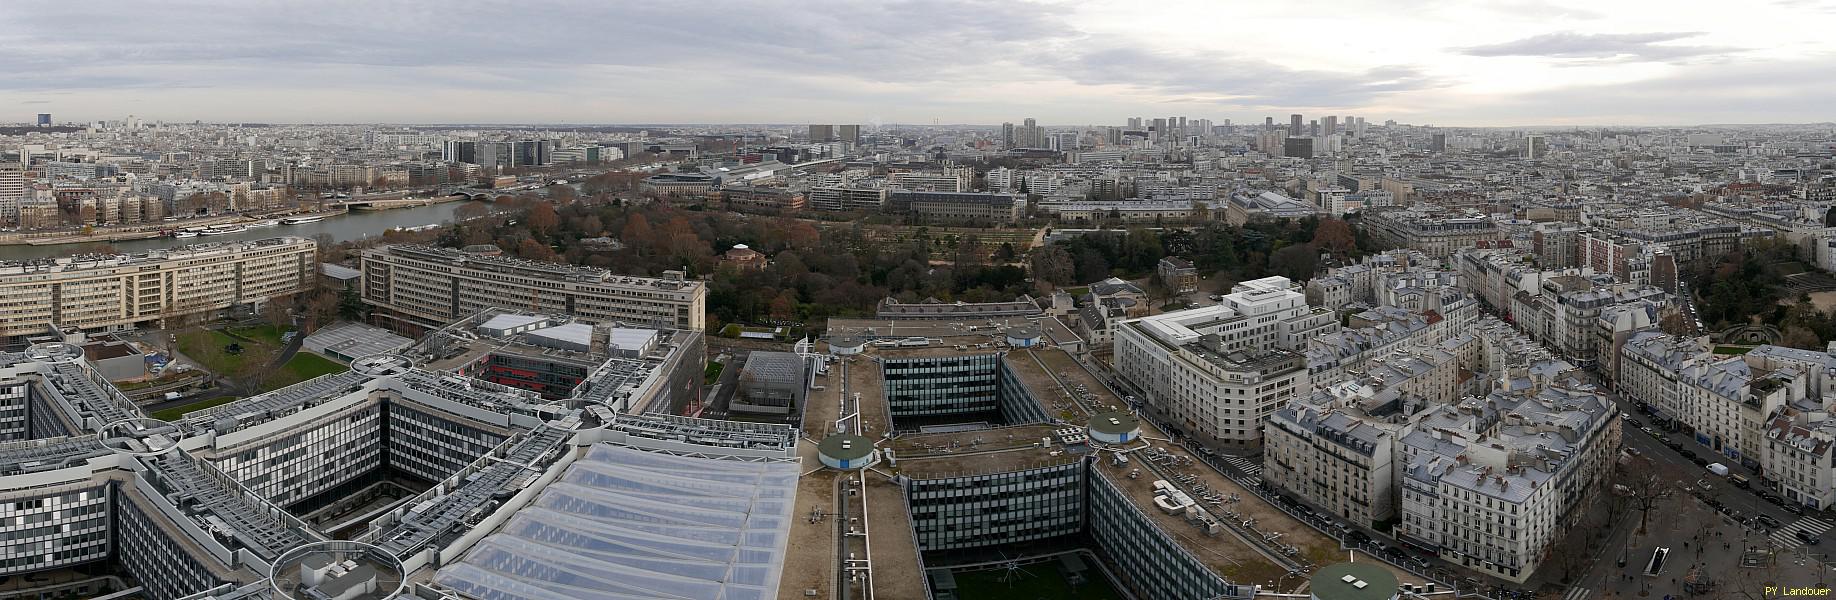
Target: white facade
[(1222, 370)]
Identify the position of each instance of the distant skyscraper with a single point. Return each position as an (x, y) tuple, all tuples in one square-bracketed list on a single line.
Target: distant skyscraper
[(1298, 147), (1313, 128), (850, 133), (460, 152), (1294, 125), (1007, 134), (44, 119), (1134, 123), (1438, 142), (1030, 135), (822, 133), (1331, 124), (1268, 123), (1536, 147)]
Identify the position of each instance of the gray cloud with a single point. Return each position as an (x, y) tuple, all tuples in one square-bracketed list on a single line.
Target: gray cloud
[(1231, 80), (1637, 47), (746, 61), (878, 41)]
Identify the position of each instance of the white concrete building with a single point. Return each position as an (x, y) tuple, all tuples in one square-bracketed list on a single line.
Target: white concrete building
[(1221, 370)]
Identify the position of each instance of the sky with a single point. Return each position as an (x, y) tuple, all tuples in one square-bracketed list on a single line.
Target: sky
[(1077, 62)]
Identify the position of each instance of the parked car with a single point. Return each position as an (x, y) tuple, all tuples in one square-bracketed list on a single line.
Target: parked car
[(1793, 509), (1768, 522)]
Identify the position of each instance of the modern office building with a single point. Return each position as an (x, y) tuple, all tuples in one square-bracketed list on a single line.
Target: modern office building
[(123, 291), (955, 387), (822, 133), (1298, 147), (843, 199), (772, 383), (423, 287)]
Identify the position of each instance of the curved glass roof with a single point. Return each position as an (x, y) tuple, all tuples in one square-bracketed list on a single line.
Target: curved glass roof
[(623, 523)]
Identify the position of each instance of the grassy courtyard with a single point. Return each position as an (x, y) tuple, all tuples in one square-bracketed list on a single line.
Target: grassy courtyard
[(1036, 582), (212, 349), (267, 334), (301, 367), (177, 412)]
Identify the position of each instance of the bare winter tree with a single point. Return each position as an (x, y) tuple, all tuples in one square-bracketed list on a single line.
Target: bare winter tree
[(1644, 487)]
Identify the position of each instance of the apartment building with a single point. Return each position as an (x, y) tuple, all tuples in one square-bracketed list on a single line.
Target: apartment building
[(1380, 331), (1336, 449), (1725, 403), (1491, 482), (1221, 371), (1650, 368), (1797, 457), (1433, 233), (424, 287), (123, 291)]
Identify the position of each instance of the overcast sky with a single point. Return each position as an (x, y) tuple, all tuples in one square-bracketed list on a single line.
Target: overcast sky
[(1442, 62)]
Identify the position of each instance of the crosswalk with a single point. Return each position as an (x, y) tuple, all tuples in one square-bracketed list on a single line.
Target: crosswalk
[(1577, 593), (1786, 537), (1251, 469)]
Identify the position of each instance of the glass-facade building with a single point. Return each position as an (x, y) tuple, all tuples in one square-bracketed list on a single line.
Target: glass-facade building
[(1073, 503), (956, 389)]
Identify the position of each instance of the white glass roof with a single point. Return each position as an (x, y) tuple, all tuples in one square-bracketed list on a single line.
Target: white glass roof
[(626, 524)]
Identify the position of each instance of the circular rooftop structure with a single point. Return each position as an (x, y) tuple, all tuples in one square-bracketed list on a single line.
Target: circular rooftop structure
[(847, 345), (1114, 427), (382, 365), (337, 569), (844, 451), (140, 437), (1024, 336), (54, 352), (1353, 581)]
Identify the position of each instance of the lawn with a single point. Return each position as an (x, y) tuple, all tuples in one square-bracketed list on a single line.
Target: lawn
[(1732, 349), (1037, 581), (711, 374), (206, 346), (177, 412), (268, 334), (301, 367)]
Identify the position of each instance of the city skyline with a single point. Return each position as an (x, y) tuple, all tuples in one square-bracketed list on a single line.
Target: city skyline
[(1087, 63)]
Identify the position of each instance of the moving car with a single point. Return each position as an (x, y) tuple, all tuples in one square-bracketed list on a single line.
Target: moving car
[(1807, 537)]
